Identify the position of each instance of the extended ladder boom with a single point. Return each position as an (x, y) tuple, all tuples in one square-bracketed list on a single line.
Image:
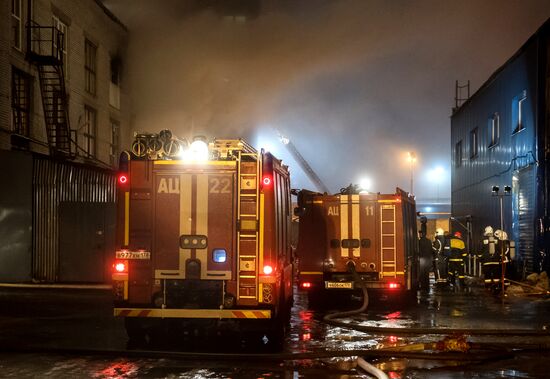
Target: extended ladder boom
[(303, 164)]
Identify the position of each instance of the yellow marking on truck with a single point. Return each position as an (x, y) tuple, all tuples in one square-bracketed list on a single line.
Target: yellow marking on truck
[(387, 201), (344, 252), (355, 226), (311, 273), (202, 219), (207, 163), (317, 201), (262, 227), (393, 273), (247, 277), (126, 218), (191, 313)]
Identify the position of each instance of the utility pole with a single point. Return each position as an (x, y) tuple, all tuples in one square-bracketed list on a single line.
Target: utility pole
[(507, 192)]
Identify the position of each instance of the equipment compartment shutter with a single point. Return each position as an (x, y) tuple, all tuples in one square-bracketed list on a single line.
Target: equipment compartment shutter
[(524, 229)]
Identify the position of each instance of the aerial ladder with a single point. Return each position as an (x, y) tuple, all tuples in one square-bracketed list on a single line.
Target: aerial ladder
[(321, 186)]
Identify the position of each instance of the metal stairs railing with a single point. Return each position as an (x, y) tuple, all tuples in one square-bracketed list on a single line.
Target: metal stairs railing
[(45, 50)]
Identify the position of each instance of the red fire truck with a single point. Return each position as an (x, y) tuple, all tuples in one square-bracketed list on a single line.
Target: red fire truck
[(203, 233), (375, 233)]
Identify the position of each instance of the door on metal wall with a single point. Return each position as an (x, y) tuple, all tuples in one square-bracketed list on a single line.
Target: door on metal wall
[(523, 215), (86, 241)]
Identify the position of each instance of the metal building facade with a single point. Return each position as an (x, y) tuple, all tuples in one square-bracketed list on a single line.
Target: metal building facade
[(55, 184), (516, 94)]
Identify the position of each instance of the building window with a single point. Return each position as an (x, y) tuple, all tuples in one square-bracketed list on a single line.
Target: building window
[(115, 137), (493, 129), (90, 52), (474, 141), (20, 101), (458, 154), (63, 28), (16, 23), (90, 120), (518, 112), (114, 89)]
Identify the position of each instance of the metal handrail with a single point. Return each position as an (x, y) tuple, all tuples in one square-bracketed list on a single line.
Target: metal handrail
[(45, 40)]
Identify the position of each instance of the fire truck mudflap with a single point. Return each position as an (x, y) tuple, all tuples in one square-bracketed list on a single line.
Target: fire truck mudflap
[(204, 239)]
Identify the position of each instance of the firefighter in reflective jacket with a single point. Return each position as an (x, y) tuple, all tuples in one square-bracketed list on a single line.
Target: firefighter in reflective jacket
[(490, 258), (502, 251), (455, 250), (439, 259)]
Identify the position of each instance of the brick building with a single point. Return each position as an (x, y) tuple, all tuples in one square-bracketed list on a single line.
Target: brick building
[(64, 113)]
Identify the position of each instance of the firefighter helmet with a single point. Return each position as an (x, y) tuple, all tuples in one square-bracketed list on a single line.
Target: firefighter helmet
[(458, 234), (439, 232), (499, 234), (488, 231)]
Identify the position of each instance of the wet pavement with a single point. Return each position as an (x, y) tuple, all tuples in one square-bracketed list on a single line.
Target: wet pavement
[(54, 333)]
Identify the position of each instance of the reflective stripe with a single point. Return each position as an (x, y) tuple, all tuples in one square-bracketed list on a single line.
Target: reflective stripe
[(355, 227), (192, 313), (455, 260), (126, 218), (344, 232)]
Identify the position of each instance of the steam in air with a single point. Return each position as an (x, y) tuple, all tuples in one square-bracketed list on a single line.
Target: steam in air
[(355, 84)]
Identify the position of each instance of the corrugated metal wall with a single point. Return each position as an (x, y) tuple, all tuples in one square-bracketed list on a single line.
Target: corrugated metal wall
[(55, 182), (495, 164)]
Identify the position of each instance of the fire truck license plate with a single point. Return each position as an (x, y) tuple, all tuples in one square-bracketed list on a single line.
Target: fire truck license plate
[(348, 285), (126, 254)]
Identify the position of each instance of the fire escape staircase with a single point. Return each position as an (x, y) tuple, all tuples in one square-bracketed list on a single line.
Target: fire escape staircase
[(45, 50)]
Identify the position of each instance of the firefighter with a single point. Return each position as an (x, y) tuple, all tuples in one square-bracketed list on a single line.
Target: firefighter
[(490, 258), (426, 260), (439, 259), (455, 250), (502, 254)]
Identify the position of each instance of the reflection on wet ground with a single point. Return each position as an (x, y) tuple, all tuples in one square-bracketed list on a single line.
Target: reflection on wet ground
[(308, 333)]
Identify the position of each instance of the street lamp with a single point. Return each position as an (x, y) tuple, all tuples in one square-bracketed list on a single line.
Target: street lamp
[(411, 158), (507, 192)]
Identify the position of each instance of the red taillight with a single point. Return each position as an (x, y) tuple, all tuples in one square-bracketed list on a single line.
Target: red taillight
[(393, 285), (121, 266), (306, 285), (266, 181), (122, 179), (268, 270)]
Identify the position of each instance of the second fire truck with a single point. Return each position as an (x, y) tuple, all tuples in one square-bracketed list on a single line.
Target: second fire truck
[(370, 233)]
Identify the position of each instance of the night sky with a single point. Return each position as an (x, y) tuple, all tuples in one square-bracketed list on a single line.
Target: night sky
[(355, 84)]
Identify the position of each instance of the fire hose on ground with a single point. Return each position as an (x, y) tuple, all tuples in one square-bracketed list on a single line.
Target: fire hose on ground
[(454, 342)]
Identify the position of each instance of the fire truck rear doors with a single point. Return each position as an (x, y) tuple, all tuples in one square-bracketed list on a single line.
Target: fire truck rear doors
[(194, 222), (351, 231)]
